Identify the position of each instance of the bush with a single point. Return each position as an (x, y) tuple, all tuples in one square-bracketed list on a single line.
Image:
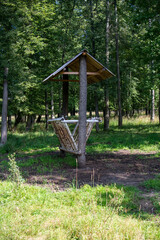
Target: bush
[(15, 174)]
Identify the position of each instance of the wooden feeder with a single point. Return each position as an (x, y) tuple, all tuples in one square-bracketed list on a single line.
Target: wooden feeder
[(89, 71)]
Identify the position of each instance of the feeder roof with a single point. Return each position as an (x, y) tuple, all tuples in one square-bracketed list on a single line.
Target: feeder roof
[(96, 72)]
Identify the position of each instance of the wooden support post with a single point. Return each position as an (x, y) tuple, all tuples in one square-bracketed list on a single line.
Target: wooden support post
[(82, 111), (65, 97)]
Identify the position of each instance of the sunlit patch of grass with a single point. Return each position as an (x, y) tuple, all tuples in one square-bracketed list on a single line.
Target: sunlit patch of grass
[(153, 184), (28, 212), (136, 134)]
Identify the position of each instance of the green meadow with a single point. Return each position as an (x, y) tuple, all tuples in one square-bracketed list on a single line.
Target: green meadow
[(100, 212)]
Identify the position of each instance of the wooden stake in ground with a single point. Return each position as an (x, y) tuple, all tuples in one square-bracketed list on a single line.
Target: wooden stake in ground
[(82, 111), (4, 108)]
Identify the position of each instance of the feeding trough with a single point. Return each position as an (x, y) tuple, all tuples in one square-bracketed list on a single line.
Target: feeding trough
[(68, 139), (89, 71)]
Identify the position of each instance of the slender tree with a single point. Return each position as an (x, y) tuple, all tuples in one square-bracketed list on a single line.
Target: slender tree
[(118, 67), (106, 88), (4, 108)]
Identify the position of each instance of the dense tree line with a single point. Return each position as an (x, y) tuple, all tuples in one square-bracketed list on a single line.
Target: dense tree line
[(37, 37)]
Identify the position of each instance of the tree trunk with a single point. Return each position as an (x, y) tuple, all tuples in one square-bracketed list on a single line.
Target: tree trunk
[(18, 119), (46, 109), (65, 96), (94, 54), (106, 90), (96, 112), (92, 30), (152, 105), (4, 108), (9, 123), (118, 68), (60, 100), (30, 121), (159, 106), (82, 112), (52, 103), (38, 119)]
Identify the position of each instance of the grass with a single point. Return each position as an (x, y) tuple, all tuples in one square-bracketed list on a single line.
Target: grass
[(153, 184), (102, 212), (136, 134), (40, 164)]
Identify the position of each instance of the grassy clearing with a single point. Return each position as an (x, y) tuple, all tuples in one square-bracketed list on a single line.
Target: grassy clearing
[(109, 212), (139, 134), (102, 212), (136, 134)]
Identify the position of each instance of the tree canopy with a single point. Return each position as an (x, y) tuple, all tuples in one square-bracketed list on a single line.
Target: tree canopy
[(37, 37)]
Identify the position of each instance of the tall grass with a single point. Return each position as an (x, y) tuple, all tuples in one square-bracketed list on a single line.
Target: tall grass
[(29, 212)]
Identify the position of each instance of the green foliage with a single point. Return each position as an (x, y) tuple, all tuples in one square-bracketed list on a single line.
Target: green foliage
[(15, 174), (36, 37)]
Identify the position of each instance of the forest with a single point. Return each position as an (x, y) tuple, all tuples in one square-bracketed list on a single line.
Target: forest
[(37, 37), (44, 193)]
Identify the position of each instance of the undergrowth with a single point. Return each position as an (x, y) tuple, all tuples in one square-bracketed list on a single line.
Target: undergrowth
[(14, 173)]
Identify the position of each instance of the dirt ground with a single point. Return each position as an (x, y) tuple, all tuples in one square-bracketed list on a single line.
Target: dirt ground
[(122, 167)]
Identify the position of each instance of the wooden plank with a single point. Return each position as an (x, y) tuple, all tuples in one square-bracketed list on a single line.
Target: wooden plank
[(77, 73), (70, 151), (65, 137), (63, 80)]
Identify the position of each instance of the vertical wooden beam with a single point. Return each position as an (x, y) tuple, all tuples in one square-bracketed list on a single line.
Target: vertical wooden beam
[(65, 97), (82, 111)]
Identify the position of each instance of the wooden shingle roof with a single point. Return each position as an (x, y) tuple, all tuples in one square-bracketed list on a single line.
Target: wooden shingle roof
[(96, 72)]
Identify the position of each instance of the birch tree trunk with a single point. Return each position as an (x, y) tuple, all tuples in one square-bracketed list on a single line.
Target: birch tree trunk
[(65, 96), (46, 108), (96, 111), (82, 112), (118, 69), (106, 90), (52, 103), (94, 54), (4, 108), (152, 105)]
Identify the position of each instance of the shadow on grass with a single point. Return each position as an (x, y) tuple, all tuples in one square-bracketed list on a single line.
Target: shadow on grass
[(28, 142)]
